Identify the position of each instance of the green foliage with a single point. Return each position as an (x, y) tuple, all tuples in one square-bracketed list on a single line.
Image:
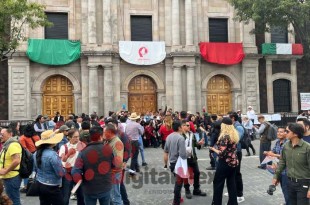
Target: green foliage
[(279, 13), (14, 15)]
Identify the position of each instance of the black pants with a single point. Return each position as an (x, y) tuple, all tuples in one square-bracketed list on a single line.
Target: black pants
[(50, 195), (264, 146), (193, 167), (154, 142), (297, 191), (224, 172), (252, 148), (239, 182), (135, 153), (177, 186)]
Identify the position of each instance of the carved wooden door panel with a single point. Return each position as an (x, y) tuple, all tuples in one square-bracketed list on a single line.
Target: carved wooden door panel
[(57, 96), (219, 95), (142, 95)]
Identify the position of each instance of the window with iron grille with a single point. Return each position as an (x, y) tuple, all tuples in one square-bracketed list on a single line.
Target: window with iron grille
[(59, 30), (141, 28), (218, 30), (279, 35), (282, 95)]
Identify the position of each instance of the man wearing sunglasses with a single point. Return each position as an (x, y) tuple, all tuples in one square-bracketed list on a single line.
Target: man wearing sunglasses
[(191, 143), (295, 158)]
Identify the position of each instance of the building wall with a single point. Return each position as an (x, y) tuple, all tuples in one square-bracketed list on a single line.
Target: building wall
[(101, 24)]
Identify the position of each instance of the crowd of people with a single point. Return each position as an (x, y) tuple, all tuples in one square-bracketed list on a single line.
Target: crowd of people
[(89, 153)]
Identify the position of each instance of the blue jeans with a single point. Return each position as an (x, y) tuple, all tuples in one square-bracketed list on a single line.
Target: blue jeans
[(283, 183), (12, 186), (141, 148), (116, 196), (205, 136), (104, 198)]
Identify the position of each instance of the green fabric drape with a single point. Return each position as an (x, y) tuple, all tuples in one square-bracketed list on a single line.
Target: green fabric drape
[(269, 49), (53, 52)]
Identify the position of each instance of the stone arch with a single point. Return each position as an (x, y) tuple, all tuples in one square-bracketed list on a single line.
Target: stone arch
[(40, 80), (159, 83), (233, 81), (284, 76)]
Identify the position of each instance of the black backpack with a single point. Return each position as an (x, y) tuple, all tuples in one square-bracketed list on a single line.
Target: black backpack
[(26, 162)]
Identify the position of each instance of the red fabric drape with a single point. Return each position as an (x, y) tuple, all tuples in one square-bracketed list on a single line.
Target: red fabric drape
[(222, 53), (297, 49)]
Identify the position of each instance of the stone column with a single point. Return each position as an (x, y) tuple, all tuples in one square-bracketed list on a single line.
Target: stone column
[(188, 22), (269, 82), (294, 89), (91, 22), (107, 34), (175, 22), (177, 88), (108, 89), (247, 38), (93, 89), (191, 95)]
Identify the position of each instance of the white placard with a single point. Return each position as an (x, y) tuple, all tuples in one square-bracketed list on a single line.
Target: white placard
[(276, 117), (142, 52), (305, 101)]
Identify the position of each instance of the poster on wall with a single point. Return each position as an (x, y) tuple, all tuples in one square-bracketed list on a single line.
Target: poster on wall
[(142, 52), (305, 101)]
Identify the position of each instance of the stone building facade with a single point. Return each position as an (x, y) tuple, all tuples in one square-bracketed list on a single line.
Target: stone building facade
[(102, 81)]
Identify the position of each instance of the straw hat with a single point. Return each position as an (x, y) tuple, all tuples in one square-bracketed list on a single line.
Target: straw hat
[(134, 116), (49, 137)]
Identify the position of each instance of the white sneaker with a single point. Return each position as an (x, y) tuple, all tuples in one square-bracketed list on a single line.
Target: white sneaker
[(226, 194), (240, 199), (73, 197)]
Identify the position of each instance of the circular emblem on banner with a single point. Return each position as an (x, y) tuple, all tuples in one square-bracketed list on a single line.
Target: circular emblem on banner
[(142, 51)]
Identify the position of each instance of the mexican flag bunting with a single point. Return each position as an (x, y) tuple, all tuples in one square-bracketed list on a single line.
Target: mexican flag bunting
[(282, 49)]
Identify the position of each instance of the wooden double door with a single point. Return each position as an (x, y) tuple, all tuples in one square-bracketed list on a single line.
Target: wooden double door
[(58, 96), (219, 95), (142, 95)]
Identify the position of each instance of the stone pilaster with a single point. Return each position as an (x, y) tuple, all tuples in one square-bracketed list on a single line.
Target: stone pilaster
[(169, 84), (175, 23), (269, 81), (168, 33), (108, 90), (177, 88), (188, 22), (247, 38), (19, 89), (93, 89), (294, 89), (191, 95), (91, 22), (107, 34), (85, 85), (250, 84), (117, 84)]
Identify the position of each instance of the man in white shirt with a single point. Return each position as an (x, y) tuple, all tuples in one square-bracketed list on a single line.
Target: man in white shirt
[(250, 113)]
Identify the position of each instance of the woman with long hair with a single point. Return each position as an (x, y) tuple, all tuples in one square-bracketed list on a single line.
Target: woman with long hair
[(49, 169), (227, 163), (15, 126), (164, 131)]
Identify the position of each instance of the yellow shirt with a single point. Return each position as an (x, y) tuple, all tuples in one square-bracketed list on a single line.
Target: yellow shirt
[(14, 148)]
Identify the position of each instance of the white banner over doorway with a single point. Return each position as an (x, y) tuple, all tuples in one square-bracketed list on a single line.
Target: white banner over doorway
[(305, 101), (142, 52)]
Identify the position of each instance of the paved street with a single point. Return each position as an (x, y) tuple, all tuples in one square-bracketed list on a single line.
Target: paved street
[(155, 185)]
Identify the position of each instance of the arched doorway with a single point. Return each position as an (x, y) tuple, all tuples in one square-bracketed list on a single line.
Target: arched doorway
[(142, 95), (219, 95), (57, 96)]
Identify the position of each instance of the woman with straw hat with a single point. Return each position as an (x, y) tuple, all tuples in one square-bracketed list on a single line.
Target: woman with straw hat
[(49, 169)]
